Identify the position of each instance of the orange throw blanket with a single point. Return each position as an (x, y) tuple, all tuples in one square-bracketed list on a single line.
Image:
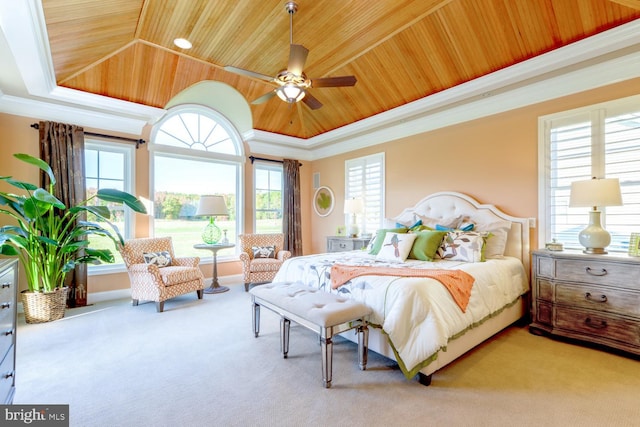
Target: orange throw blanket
[(457, 282)]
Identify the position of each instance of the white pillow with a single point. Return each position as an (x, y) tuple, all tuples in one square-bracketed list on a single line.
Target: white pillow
[(497, 242), (396, 247), (465, 246), (451, 222)]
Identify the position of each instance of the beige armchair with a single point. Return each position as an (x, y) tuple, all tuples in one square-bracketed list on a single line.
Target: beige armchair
[(261, 270), (151, 282)]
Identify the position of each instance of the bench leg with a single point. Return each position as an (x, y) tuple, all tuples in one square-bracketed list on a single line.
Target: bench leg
[(285, 325), (327, 360), (255, 315), (363, 346)]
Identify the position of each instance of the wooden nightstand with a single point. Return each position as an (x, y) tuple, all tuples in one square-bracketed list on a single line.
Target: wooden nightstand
[(341, 244), (594, 298)]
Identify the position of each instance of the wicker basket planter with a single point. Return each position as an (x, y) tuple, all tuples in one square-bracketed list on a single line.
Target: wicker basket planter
[(41, 307)]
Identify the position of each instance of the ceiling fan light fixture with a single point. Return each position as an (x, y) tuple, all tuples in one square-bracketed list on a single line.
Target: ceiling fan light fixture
[(290, 93)]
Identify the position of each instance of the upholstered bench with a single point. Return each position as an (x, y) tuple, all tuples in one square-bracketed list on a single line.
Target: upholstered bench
[(324, 313)]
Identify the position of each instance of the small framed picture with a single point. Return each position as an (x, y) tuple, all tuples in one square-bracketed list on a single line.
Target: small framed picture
[(634, 244), (341, 230)]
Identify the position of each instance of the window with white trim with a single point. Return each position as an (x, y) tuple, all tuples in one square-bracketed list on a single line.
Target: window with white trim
[(196, 151), (601, 141), (109, 165), (268, 191), (364, 178)]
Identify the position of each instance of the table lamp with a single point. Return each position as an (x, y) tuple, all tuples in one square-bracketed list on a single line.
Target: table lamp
[(353, 207), (211, 206), (595, 193)]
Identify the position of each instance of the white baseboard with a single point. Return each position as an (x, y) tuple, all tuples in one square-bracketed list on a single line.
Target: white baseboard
[(96, 297)]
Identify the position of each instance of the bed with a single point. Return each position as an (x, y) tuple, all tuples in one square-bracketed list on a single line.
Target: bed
[(417, 321)]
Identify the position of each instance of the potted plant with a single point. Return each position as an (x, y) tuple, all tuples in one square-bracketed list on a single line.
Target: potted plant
[(50, 238)]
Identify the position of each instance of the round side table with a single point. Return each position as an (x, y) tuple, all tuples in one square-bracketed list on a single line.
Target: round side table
[(215, 287)]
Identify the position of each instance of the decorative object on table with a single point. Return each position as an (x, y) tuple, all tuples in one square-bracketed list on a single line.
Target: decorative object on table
[(634, 244), (323, 201), (215, 287), (595, 193), (50, 238), (211, 206), (225, 239), (341, 231), (353, 207), (554, 246)]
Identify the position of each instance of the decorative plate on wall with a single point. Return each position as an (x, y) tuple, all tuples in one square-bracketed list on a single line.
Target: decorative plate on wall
[(323, 201)]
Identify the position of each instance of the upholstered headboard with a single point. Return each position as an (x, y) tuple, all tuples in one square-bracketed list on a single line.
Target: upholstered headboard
[(451, 204)]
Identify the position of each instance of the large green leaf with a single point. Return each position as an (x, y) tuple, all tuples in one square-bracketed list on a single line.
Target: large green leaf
[(113, 195), (8, 250), (21, 184), (44, 196), (99, 211), (37, 162)]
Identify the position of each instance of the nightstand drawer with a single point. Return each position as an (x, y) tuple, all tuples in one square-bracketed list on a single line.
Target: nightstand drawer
[(599, 325), (598, 272), (597, 298), (340, 245)]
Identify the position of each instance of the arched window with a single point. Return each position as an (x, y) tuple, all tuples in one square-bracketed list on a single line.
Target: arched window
[(195, 151)]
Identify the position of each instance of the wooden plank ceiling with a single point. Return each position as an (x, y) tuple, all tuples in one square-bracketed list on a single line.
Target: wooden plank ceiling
[(398, 51)]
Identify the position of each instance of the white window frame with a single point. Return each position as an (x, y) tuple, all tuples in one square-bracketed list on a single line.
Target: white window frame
[(372, 209), (595, 114), (129, 179), (192, 154), (269, 166)]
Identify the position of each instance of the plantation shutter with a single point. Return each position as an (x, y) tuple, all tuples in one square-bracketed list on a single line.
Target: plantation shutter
[(364, 178), (602, 143)]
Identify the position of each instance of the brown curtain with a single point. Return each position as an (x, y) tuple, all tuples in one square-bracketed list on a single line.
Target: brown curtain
[(292, 225), (62, 147)]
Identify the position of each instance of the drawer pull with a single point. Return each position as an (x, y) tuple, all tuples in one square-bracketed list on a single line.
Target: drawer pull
[(589, 297), (6, 285), (595, 325), (5, 305), (603, 272), (7, 333), (8, 375)]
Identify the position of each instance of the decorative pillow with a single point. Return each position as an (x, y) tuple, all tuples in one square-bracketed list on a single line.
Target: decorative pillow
[(264, 251), (396, 246), (467, 226), (497, 243), (378, 240), (161, 259), (465, 246), (426, 245)]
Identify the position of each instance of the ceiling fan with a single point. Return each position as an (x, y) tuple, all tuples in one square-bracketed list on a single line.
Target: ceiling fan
[(292, 83)]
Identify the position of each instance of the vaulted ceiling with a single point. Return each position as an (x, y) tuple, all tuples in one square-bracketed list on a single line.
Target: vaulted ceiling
[(399, 51)]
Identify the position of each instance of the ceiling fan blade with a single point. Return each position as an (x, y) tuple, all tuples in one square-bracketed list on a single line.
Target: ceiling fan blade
[(334, 81), (297, 58), (311, 101), (264, 98), (243, 72)]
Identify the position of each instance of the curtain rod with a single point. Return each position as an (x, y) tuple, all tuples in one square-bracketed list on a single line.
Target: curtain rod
[(138, 142), (253, 158)]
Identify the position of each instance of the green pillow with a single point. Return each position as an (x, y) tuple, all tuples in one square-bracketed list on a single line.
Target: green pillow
[(426, 245), (377, 243)]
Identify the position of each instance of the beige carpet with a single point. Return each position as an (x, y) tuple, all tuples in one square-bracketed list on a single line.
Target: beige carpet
[(198, 364)]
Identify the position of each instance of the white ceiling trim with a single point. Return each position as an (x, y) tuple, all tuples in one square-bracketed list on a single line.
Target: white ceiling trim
[(599, 60)]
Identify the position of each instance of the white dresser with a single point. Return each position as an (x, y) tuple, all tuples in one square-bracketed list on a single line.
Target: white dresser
[(8, 300)]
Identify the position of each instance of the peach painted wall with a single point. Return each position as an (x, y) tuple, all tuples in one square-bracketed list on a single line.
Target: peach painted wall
[(493, 159)]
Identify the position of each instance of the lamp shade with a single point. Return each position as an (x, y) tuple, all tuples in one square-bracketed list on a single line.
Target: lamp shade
[(212, 206), (595, 192), (290, 93), (354, 206)]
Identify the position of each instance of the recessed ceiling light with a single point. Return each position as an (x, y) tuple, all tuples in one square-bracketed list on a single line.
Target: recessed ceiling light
[(182, 43)]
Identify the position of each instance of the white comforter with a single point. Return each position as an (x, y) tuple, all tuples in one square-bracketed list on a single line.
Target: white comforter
[(418, 314)]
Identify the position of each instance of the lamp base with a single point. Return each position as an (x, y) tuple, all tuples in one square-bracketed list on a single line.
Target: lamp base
[(211, 233), (594, 238)]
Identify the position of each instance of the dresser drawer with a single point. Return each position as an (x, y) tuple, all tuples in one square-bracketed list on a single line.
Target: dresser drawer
[(7, 377), (599, 272), (596, 298), (7, 286), (336, 245), (598, 324)]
